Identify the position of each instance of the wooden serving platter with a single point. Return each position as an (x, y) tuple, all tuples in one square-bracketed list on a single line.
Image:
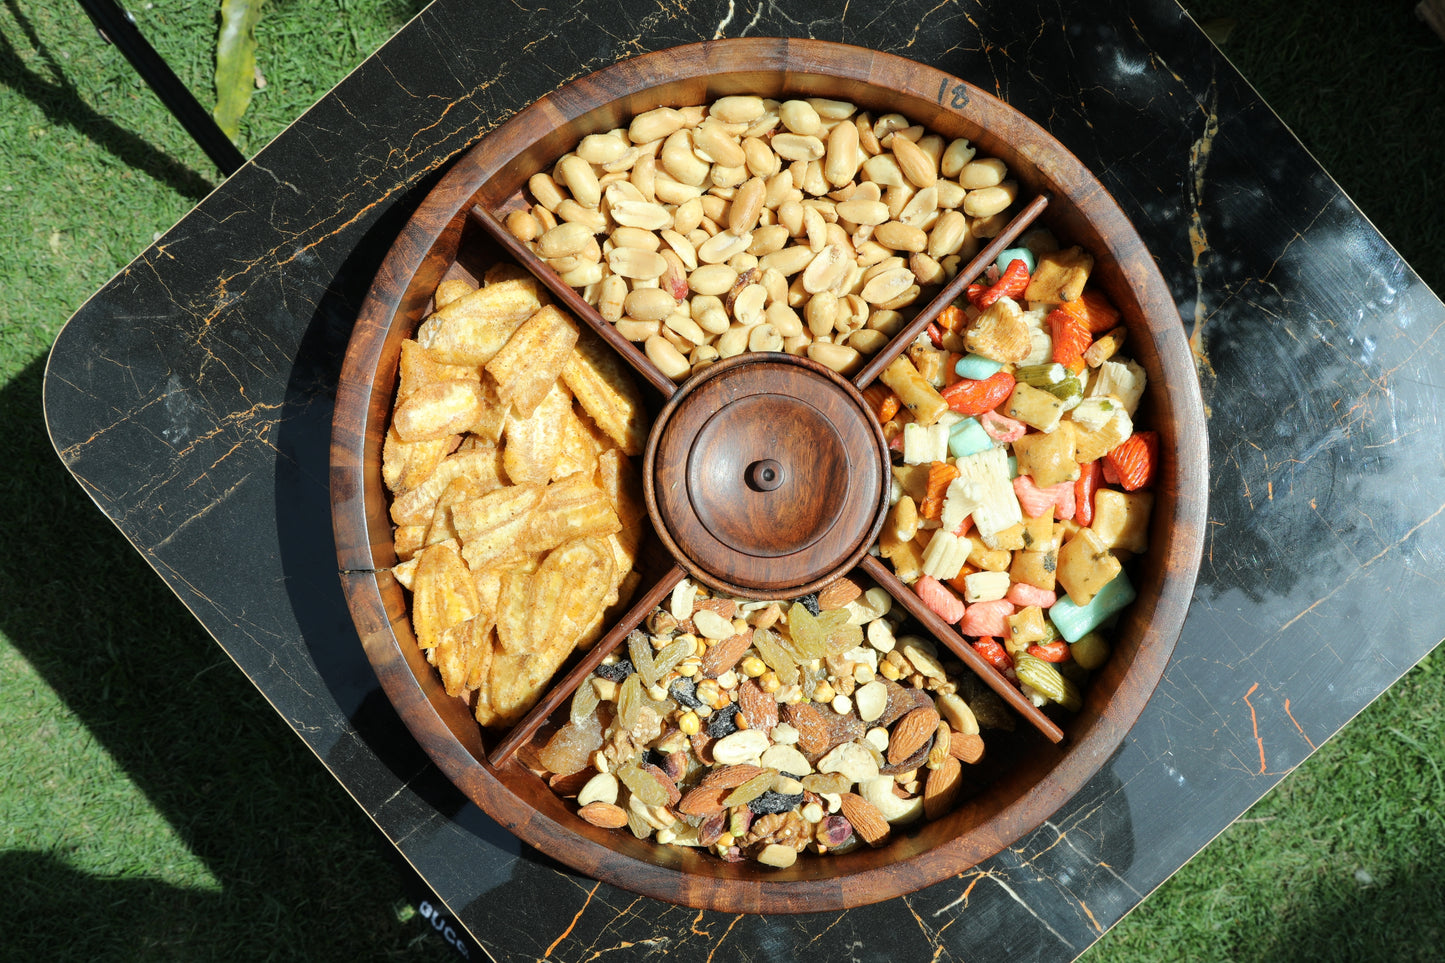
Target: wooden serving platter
[(1029, 773)]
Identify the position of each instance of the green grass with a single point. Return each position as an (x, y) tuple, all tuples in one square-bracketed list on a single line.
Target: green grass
[(196, 827)]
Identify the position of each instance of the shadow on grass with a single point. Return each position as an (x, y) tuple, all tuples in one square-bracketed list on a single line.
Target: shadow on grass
[(192, 733), (1360, 920), (64, 107)]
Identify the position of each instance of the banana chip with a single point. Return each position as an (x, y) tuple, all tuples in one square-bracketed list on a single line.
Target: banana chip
[(571, 508), (473, 328), (517, 514), (534, 442), (443, 594), (603, 387), (416, 505), (406, 464), (491, 527), (526, 368)]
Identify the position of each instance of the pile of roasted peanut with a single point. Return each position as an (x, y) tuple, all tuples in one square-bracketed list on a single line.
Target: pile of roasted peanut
[(752, 224), (761, 729)]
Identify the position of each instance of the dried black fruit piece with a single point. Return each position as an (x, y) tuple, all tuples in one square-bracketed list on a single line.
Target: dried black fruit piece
[(723, 722), (616, 672), (654, 758), (809, 602), (684, 690), (776, 802)]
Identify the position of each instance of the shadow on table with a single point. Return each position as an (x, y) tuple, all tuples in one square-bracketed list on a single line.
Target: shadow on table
[(166, 704)]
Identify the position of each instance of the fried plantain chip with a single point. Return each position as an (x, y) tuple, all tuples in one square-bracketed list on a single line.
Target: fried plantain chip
[(513, 621), (443, 594), (409, 540), (493, 527), (452, 289), (463, 488), (416, 505), (419, 368), (579, 450), (438, 410), (483, 648), (406, 464), (473, 328), (455, 654), (527, 367), (571, 507), (533, 443), (588, 574), (605, 389), (492, 419)]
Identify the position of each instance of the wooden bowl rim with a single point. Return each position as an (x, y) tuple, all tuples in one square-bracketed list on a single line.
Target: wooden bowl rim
[(711, 67)]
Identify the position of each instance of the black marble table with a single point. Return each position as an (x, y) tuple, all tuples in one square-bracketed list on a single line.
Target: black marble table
[(191, 397)]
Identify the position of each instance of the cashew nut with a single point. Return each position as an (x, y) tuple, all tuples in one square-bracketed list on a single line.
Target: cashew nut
[(879, 792)]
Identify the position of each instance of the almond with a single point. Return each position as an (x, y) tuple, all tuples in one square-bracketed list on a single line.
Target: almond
[(724, 654), (813, 732), (605, 815), (911, 733), (704, 801), (941, 790), (730, 777), (865, 818), (759, 708), (727, 608), (838, 594), (571, 785), (966, 748)]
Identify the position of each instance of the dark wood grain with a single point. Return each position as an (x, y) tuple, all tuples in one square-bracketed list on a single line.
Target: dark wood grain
[(771, 538), (1029, 779)]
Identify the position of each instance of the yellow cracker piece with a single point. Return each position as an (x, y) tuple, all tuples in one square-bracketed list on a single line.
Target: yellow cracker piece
[(1060, 276), (415, 505), (605, 389), (527, 367), (533, 443), (473, 328)]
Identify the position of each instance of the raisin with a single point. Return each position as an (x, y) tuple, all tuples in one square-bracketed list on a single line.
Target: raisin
[(775, 802), (722, 722), (684, 690), (615, 672), (809, 602)]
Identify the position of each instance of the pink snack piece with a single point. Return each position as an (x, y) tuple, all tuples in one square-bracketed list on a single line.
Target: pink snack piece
[(939, 599), (986, 618), (1023, 595), (1002, 427), (1058, 499)]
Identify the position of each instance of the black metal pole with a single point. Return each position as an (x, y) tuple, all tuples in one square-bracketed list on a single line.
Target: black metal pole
[(120, 30)]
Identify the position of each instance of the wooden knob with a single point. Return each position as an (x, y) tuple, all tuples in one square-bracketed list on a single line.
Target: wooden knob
[(766, 476)]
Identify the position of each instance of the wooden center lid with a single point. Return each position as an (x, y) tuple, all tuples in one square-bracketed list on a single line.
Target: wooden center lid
[(766, 476)]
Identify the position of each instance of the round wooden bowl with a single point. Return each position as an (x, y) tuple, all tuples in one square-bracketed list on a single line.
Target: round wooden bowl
[(1034, 770)]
